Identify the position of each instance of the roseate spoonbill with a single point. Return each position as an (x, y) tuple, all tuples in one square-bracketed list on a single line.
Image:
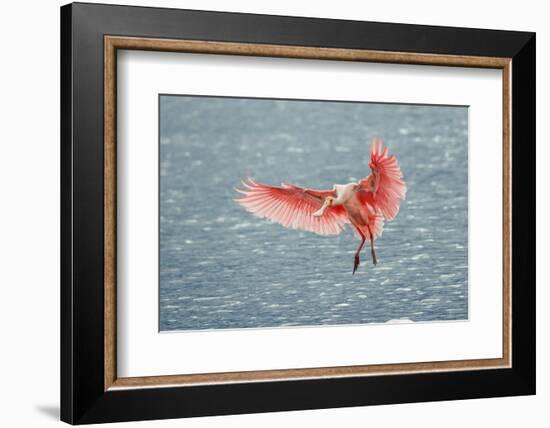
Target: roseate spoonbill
[(365, 205)]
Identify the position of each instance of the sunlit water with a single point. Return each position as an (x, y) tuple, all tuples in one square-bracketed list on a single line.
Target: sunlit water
[(221, 267)]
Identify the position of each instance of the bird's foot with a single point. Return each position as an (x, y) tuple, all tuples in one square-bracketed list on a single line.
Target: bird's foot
[(355, 263), (374, 260)]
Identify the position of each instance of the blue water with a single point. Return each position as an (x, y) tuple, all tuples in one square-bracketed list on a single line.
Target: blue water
[(220, 267)]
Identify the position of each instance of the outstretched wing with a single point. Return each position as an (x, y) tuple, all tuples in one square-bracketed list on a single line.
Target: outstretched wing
[(388, 187), (293, 207)]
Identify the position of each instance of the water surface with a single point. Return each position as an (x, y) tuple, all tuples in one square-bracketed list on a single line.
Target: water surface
[(221, 267)]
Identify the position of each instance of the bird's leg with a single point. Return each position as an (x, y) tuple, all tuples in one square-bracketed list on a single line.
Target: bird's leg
[(356, 260), (374, 261), (327, 203)]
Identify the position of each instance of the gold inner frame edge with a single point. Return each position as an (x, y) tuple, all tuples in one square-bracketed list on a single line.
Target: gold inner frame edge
[(113, 43)]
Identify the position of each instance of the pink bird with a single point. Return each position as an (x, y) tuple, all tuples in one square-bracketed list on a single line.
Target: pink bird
[(365, 205)]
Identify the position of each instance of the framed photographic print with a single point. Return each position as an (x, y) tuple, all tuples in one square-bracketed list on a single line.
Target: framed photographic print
[(264, 213)]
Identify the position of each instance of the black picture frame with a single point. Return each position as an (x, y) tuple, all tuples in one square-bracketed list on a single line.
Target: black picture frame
[(83, 398)]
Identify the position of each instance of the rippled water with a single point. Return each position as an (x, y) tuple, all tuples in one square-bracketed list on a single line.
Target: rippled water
[(220, 267)]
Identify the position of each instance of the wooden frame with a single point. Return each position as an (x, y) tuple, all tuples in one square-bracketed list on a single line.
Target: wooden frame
[(513, 54), (112, 43)]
